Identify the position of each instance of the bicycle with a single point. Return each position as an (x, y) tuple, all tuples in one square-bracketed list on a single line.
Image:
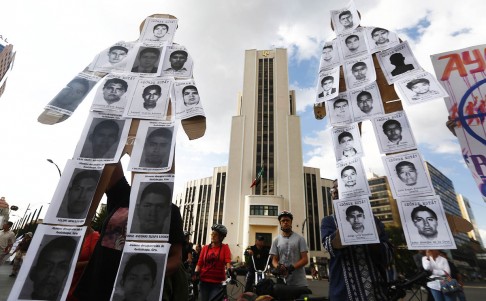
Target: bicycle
[(259, 274), (232, 292), (398, 289)]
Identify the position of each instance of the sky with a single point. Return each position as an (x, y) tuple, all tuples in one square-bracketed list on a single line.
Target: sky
[(56, 39)]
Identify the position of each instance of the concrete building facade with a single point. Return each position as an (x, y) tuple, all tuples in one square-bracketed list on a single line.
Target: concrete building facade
[(265, 134), (7, 57)]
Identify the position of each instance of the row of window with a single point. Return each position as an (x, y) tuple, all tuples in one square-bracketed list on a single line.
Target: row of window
[(267, 210)]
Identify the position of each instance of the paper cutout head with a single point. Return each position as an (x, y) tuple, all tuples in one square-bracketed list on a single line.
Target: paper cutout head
[(113, 90), (346, 19), (407, 173), (346, 142), (190, 95), (138, 278), (393, 130), (81, 192), (157, 148), (355, 217), (365, 102), (104, 136), (425, 219), (380, 36), (151, 95), (349, 175), (153, 209), (341, 108), (52, 267), (116, 54)]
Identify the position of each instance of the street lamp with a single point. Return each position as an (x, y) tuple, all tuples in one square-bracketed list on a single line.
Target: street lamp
[(50, 161)]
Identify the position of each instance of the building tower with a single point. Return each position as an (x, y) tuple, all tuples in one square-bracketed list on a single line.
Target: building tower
[(265, 134), (7, 57)]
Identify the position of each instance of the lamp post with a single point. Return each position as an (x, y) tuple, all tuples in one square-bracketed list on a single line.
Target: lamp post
[(50, 161)]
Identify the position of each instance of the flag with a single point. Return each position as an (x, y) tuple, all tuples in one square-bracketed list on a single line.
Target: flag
[(258, 178)]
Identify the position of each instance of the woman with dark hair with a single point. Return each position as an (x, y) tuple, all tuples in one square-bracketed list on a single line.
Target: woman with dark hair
[(213, 260)]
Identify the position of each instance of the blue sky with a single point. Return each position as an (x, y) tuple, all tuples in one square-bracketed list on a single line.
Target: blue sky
[(56, 39)]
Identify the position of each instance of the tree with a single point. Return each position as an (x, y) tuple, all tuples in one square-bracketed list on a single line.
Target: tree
[(403, 257), (99, 219)]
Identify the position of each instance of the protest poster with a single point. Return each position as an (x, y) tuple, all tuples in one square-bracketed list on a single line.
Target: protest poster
[(457, 72), (425, 224), (393, 132), (352, 180), (356, 222), (347, 141)]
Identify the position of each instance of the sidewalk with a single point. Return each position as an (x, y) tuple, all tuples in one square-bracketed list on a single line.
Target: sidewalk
[(6, 282)]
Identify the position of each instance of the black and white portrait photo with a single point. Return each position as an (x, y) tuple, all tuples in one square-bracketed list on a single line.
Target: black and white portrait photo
[(112, 58), (113, 93), (407, 175), (330, 57), (366, 102), (154, 146), (187, 99), (359, 72), (177, 63), (352, 180), (345, 19), (355, 221), (347, 141), (150, 207), (398, 62), (141, 273), (101, 137), (47, 270), (147, 60), (353, 44), (74, 193), (79, 194), (380, 39), (339, 110), (419, 88), (150, 99), (158, 30), (393, 132), (425, 224), (68, 99), (328, 85)]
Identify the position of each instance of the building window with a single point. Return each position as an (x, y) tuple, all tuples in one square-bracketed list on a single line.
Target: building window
[(267, 210)]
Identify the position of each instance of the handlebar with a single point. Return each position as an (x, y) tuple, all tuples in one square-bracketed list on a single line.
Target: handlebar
[(397, 289)]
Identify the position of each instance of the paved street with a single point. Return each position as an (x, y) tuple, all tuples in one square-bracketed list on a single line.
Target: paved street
[(475, 291)]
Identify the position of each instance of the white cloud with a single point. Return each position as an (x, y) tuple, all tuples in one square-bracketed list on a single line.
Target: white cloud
[(305, 97)]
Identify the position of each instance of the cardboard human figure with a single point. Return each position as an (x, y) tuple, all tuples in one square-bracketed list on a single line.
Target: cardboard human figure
[(403, 66), (194, 126)]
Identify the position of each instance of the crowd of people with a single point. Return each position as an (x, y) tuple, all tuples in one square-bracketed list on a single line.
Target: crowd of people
[(357, 272)]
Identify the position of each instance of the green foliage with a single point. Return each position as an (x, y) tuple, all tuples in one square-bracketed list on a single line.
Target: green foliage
[(99, 219), (403, 257)]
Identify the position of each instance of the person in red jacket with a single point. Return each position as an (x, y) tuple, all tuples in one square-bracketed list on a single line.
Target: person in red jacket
[(214, 259)]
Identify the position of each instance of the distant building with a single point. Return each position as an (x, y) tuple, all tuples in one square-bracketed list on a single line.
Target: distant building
[(7, 57), (444, 188), (266, 134), (4, 211), (383, 204), (468, 214)]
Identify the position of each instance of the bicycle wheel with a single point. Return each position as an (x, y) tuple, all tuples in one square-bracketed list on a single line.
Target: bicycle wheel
[(235, 290)]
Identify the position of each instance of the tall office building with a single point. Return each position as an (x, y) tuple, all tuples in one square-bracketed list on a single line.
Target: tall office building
[(265, 134), (444, 188), (468, 214), (383, 205), (7, 57)]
